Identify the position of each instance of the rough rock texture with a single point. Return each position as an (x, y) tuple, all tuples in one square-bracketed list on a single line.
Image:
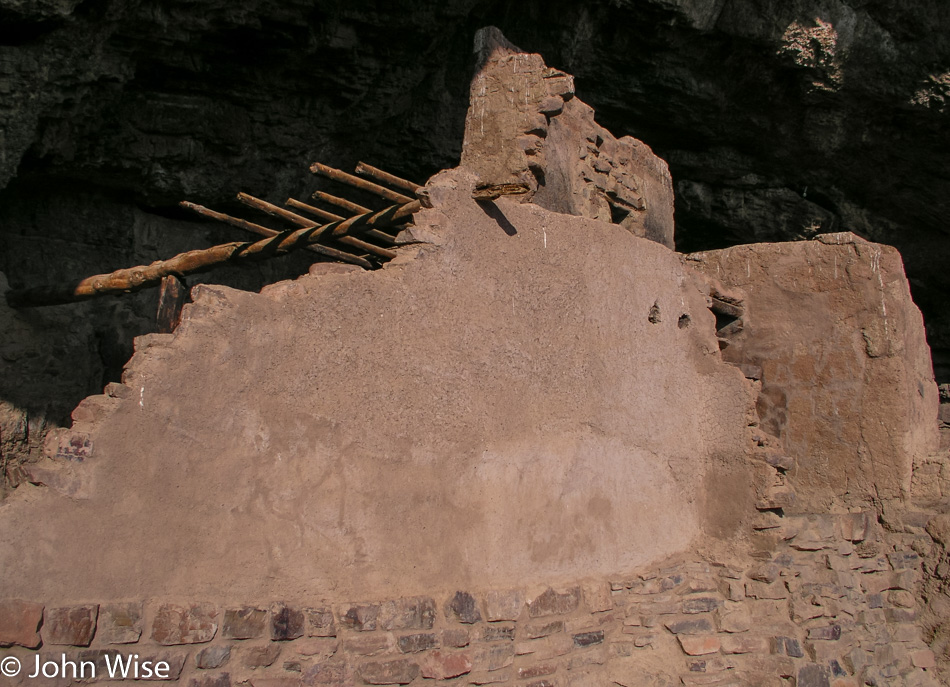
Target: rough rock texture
[(525, 128), (847, 384), (381, 431)]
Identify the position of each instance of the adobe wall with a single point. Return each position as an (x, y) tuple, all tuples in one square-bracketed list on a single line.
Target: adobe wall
[(847, 384), (528, 397)]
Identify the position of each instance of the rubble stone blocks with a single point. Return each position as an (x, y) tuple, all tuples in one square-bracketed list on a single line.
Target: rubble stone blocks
[(260, 656), (456, 637), (244, 623), (503, 605), (320, 622), (369, 644), (497, 633), (837, 600), (398, 672), (192, 624), (120, 623), (70, 625), (416, 613), (494, 657), (698, 645), (543, 629), (690, 625), (286, 623), (745, 644), (829, 633), (440, 665), (216, 680), (212, 657), (584, 639), (408, 644), (20, 623), (360, 617), (814, 675), (463, 607), (551, 602), (336, 673)]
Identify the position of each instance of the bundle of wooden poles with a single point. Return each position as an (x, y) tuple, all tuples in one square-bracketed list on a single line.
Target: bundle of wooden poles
[(362, 237)]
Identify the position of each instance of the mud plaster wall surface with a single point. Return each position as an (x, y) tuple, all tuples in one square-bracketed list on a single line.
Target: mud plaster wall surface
[(847, 382), (493, 409)]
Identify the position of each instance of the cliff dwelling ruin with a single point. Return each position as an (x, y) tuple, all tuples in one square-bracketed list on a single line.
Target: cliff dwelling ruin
[(496, 430)]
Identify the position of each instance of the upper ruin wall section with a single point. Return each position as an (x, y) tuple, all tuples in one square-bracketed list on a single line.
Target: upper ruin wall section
[(526, 128)]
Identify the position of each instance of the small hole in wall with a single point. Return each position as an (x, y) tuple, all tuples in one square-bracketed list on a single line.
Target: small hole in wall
[(683, 321), (618, 213), (654, 316)]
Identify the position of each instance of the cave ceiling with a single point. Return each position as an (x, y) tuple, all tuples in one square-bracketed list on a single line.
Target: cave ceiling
[(779, 119)]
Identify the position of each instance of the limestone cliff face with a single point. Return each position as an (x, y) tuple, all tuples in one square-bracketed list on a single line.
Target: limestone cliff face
[(779, 120)]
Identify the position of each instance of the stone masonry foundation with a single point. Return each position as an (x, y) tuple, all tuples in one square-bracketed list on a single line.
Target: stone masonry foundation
[(836, 603)]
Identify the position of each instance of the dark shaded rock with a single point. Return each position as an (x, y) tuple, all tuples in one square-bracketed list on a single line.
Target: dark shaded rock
[(589, 638), (286, 623), (463, 607)]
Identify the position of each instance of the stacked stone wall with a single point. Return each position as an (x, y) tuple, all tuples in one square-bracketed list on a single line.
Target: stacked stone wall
[(835, 602)]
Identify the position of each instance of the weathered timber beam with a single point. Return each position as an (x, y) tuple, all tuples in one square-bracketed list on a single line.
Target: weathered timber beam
[(362, 184), (330, 217), (386, 177), (498, 190), (268, 232), (137, 278), (126, 280), (352, 208), (316, 212), (357, 243), (300, 221), (171, 299), (383, 218)]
